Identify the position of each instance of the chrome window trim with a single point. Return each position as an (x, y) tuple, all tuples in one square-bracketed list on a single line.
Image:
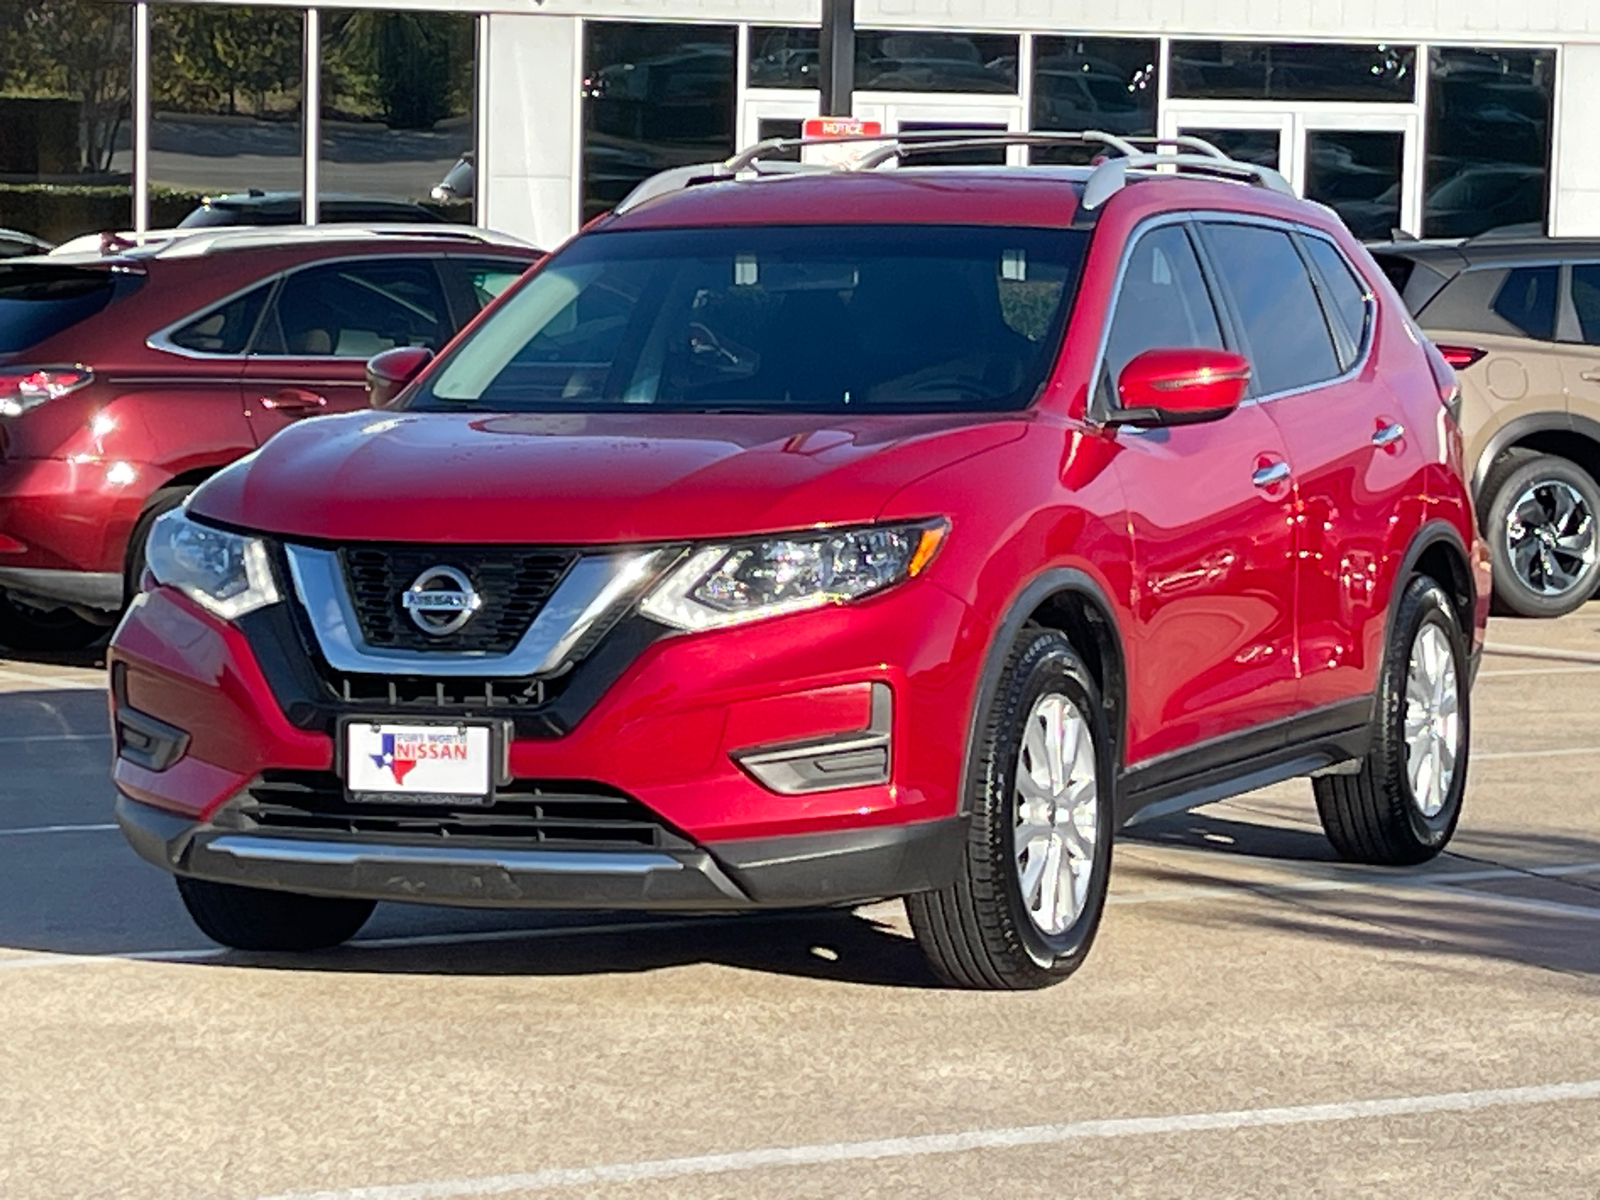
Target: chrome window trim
[(1195, 217), (594, 587), (161, 339)]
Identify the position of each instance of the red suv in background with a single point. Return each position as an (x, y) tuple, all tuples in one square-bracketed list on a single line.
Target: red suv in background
[(799, 538), (128, 376)]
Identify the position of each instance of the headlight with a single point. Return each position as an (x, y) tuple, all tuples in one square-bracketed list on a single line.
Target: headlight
[(222, 571), (730, 584)]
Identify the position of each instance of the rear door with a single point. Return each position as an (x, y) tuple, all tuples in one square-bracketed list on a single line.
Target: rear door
[(1209, 505), (1581, 364), (1305, 321), (325, 321)]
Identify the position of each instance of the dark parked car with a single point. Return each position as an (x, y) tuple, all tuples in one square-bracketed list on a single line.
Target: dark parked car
[(128, 377), (1518, 316), (284, 208)]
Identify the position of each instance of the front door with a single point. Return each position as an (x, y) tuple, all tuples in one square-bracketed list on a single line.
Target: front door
[(1210, 509), (325, 322)]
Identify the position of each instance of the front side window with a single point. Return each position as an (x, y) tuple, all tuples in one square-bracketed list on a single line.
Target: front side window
[(776, 319), (1527, 299), (1286, 335), (1164, 303), (356, 310)]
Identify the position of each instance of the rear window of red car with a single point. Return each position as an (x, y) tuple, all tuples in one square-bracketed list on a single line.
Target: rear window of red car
[(40, 300)]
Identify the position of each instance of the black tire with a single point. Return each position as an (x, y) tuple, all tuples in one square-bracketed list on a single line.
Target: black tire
[(162, 501), (1374, 816), (33, 630), (979, 932), (1523, 482), (255, 919)]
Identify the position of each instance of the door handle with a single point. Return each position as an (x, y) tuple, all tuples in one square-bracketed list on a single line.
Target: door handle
[(1591, 376), (1265, 477), (295, 401), (1389, 434)]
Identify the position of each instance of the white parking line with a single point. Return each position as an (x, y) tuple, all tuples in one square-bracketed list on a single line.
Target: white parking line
[(1559, 752), (1552, 653), (1537, 671), (28, 830), (956, 1143)]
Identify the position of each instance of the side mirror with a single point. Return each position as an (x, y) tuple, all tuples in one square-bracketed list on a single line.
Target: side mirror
[(389, 372), (1180, 387)]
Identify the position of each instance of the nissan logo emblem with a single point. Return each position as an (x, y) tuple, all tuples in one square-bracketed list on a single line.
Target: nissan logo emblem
[(441, 601)]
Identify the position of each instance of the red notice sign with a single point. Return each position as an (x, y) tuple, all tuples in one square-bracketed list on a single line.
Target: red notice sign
[(839, 127)]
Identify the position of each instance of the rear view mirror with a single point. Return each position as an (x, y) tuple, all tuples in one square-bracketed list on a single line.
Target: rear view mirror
[(1180, 387), (389, 373)]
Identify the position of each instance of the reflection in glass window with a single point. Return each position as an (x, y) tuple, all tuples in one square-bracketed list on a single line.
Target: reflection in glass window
[(1093, 83), (1286, 335), (654, 96), (225, 104), (1293, 71), (779, 127), (1527, 299), (784, 58), (64, 85), (910, 61), (1259, 146), (1357, 174), (1163, 304), (397, 110), (1586, 300), (1488, 139), (954, 158)]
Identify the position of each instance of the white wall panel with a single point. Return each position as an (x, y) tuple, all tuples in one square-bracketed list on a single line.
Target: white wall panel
[(1575, 180), (532, 128)]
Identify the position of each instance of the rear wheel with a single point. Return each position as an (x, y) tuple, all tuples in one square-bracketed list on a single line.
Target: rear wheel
[(1539, 518), (1024, 911), (255, 919), (23, 627), (1402, 807)]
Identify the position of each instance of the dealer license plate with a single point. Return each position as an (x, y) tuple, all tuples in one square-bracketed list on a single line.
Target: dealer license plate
[(388, 763)]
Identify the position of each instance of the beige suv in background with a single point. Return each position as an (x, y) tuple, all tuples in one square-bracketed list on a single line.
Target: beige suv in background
[(1518, 316)]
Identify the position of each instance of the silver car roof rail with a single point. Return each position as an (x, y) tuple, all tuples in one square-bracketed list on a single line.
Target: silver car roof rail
[(1168, 155)]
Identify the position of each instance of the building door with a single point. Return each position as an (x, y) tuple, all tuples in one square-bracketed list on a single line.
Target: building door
[(1363, 161)]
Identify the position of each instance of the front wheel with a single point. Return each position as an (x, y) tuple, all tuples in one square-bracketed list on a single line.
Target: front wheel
[(1402, 807), (248, 918), (1024, 910)]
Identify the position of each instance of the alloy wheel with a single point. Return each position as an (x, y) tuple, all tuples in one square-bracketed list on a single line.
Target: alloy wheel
[(1432, 720), (1057, 801), (1551, 537)]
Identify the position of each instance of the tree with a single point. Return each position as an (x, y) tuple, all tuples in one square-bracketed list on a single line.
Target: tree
[(77, 48)]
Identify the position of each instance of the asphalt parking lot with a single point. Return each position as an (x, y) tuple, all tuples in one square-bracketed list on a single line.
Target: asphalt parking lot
[(1255, 1019)]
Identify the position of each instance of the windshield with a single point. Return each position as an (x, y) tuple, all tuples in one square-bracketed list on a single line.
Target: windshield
[(815, 318)]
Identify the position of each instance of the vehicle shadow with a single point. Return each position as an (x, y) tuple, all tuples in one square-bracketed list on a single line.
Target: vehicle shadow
[(89, 657)]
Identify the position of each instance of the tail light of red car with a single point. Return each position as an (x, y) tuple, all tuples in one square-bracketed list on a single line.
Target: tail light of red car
[(27, 387), (1445, 361)]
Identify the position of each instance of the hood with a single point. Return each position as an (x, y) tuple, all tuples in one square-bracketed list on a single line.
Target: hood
[(583, 479)]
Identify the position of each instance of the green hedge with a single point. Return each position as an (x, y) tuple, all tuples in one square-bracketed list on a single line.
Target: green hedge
[(58, 211)]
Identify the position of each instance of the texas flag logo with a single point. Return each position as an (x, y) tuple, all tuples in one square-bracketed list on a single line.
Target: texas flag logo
[(399, 767)]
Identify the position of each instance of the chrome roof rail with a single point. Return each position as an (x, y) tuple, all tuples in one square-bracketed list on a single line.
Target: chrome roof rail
[(1111, 176)]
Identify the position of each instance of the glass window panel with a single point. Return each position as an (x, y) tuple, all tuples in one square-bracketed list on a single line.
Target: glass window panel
[(1293, 71), (1164, 303), (489, 278), (954, 158), (1286, 335), (1093, 83), (654, 96), (356, 310), (1346, 294), (1488, 139), (225, 108), (65, 158), (1259, 146), (398, 93), (1357, 174), (784, 58), (1528, 300), (1586, 299), (226, 329), (911, 61)]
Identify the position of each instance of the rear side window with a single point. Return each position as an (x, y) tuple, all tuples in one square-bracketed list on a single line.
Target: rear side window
[(1164, 302), (1527, 299), (225, 329), (38, 302), (488, 279), (1586, 299), (1286, 336), (356, 310), (1345, 295)]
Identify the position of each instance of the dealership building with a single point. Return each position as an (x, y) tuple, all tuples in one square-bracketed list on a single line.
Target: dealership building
[(1436, 117)]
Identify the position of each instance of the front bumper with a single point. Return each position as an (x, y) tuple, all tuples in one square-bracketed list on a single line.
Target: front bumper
[(799, 870)]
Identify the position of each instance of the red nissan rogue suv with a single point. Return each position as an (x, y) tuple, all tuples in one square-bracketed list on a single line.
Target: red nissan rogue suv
[(797, 536)]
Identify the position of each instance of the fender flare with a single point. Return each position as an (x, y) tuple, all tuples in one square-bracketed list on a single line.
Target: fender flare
[(1518, 428), (1053, 582), (1434, 532)]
